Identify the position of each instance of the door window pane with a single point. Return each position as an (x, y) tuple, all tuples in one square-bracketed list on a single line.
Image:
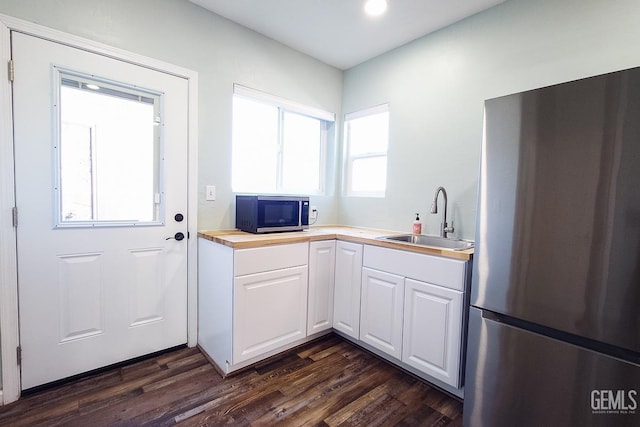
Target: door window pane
[(76, 172), (109, 153)]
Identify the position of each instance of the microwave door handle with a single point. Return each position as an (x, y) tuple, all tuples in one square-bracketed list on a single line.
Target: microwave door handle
[(299, 213)]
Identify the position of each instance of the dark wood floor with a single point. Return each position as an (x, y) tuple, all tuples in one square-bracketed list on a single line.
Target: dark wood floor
[(328, 382)]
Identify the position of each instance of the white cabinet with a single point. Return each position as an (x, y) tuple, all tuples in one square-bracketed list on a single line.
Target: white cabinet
[(430, 329), (252, 303), (381, 311), (433, 330), (322, 261), (406, 306), (346, 308), (270, 311)]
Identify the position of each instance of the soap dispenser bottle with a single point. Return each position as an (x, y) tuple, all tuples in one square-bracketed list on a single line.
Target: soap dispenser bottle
[(417, 225)]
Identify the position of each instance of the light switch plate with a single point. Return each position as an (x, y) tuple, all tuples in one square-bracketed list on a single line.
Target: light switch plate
[(210, 192)]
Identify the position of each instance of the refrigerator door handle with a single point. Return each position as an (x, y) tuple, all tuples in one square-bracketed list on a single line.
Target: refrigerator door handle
[(583, 342)]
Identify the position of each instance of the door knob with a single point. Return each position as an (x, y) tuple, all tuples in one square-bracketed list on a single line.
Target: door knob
[(178, 236)]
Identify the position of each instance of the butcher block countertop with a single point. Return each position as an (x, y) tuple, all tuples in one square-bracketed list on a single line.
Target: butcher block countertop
[(241, 240)]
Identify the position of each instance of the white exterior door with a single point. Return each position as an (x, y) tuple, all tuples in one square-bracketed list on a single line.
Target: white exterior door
[(98, 281)]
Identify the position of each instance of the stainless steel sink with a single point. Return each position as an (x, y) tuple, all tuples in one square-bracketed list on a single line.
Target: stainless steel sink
[(431, 241)]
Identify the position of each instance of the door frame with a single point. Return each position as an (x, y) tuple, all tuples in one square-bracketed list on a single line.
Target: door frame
[(9, 326)]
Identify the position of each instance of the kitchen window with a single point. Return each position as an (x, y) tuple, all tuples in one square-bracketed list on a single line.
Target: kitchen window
[(278, 146), (366, 138)]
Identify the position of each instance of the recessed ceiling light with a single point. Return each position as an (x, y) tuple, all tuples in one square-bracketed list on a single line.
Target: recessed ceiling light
[(92, 86), (375, 7)]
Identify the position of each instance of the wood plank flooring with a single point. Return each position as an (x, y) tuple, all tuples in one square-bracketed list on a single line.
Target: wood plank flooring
[(328, 382)]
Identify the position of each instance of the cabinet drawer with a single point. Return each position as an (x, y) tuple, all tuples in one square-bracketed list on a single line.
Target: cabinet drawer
[(447, 272), (268, 258)]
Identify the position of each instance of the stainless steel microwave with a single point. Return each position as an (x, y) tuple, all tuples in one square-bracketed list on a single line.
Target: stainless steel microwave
[(270, 214)]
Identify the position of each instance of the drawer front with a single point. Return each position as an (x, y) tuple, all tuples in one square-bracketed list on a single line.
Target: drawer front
[(268, 258), (441, 271)]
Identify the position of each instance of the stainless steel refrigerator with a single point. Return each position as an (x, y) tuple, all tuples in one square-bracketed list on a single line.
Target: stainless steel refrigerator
[(554, 322)]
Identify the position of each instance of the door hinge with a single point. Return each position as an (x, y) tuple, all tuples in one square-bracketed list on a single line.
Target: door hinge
[(14, 216), (12, 70), (19, 355)]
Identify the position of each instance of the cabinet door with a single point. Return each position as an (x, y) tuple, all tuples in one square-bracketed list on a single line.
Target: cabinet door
[(381, 311), (433, 330), (270, 311), (322, 261), (346, 301)]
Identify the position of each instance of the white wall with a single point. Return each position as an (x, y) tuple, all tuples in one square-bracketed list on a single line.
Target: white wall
[(436, 86), (223, 53)]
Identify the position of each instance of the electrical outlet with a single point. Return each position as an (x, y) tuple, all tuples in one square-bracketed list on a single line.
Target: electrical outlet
[(210, 192), (313, 214)]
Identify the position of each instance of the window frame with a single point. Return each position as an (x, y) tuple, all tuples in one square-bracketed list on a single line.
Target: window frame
[(351, 159), (326, 119), (61, 77)]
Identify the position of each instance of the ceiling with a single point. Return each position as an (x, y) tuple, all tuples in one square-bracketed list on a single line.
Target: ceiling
[(337, 32)]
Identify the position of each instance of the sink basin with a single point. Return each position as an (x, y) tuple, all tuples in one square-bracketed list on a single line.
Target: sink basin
[(432, 241)]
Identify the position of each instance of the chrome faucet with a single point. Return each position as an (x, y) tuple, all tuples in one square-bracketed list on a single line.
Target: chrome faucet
[(444, 228)]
